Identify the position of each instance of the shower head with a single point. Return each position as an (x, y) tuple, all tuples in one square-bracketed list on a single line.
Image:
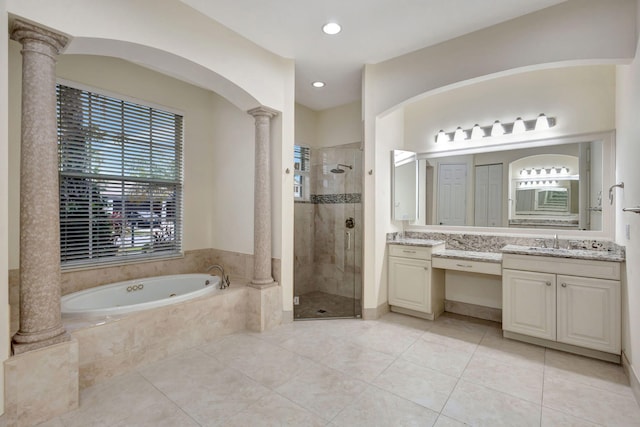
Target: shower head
[(338, 170)]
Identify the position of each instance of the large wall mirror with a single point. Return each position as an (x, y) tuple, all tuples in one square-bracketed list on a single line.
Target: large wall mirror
[(554, 184)]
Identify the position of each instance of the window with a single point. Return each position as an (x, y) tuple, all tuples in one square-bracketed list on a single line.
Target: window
[(301, 166), (120, 179)]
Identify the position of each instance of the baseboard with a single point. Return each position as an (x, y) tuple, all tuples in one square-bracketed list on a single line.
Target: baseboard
[(634, 382), (375, 313), (473, 310), (596, 354), (287, 317), (413, 313)]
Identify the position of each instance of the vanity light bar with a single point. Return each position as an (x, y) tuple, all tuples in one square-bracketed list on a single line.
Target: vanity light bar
[(553, 171), (477, 132), (534, 184)]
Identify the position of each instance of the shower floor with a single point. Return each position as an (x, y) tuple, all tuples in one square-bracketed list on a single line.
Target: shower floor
[(321, 305)]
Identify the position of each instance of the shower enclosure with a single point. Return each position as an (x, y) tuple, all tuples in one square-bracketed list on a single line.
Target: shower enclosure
[(328, 232)]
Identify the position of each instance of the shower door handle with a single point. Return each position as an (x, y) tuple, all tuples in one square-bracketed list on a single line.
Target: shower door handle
[(348, 235)]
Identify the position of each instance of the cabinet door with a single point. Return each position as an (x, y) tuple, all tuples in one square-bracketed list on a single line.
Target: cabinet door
[(589, 313), (529, 303), (409, 283)]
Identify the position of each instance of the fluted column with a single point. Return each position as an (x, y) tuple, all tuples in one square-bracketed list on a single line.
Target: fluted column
[(40, 318), (262, 198)]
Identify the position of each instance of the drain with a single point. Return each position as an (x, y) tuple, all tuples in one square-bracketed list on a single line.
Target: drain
[(321, 311)]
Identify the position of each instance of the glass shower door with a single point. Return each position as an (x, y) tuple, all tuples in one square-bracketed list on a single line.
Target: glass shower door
[(332, 286)]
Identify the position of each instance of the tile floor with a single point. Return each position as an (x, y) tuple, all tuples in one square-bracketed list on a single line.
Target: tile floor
[(396, 371), (318, 305)]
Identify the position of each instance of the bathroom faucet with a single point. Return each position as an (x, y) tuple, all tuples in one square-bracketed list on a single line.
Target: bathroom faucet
[(225, 282)]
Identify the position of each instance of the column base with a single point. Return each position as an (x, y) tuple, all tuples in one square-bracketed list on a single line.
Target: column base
[(263, 282), (41, 384), (19, 347), (264, 306)]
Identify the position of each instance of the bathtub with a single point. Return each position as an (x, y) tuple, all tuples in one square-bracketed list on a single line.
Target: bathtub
[(139, 294)]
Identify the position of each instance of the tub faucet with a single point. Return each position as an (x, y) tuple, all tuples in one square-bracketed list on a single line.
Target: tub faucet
[(556, 243), (224, 282)]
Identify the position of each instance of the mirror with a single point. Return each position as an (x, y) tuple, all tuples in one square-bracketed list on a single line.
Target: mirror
[(557, 185), (404, 185)]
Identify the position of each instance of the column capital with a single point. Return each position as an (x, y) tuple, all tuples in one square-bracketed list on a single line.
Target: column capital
[(25, 32), (263, 111)]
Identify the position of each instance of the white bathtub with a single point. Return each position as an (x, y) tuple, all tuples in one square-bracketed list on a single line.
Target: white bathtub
[(139, 294)]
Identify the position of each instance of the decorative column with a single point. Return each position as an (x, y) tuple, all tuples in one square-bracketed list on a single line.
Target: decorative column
[(262, 198), (40, 318)]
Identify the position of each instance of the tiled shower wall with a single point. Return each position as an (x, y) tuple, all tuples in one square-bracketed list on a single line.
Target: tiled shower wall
[(322, 261)]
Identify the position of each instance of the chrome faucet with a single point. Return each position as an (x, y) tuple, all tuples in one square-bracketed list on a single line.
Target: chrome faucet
[(556, 243), (224, 282)]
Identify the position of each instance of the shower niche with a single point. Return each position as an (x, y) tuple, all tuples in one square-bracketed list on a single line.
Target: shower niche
[(328, 232)]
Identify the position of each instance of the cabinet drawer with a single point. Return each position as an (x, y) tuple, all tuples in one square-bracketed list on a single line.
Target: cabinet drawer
[(568, 266), (466, 265), (416, 252)]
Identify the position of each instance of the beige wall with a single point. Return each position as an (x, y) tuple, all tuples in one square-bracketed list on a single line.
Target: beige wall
[(340, 125), (197, 49), (627, 171), (329, 128), (582, 98), (218, 148), (572, 33), (389, 130), (4, 199), (200, 51), (306, 126)]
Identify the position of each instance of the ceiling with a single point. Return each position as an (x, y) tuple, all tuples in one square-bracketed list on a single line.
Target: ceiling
[(372, 31)]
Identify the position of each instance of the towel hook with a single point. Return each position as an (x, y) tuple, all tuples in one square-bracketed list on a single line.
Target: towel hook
[(621, 185)]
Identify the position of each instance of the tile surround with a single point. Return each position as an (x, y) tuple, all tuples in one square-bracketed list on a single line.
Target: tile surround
[(41, 384), (321, 263)]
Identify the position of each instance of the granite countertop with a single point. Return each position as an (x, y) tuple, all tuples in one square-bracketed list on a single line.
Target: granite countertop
[(494, 257), (415, 242), (614, 256)]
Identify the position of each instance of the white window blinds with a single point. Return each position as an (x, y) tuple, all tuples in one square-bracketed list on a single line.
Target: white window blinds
[(120, 179)]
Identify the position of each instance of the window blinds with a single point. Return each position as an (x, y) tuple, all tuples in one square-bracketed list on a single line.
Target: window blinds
[(120, 179)]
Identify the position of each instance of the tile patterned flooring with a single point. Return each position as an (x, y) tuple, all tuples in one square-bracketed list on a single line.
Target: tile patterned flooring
[(396, 371)]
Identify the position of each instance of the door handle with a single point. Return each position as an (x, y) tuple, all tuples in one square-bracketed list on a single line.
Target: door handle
[(348, 233)]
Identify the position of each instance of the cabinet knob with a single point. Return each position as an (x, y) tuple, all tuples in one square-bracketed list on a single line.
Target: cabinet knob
[(548, 283), (564, 285)]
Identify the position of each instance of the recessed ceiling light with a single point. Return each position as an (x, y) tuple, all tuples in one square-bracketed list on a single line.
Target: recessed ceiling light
[(331, 28), (317, 84)]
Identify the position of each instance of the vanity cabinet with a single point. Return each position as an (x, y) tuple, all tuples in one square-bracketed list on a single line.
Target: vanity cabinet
[(415, 288), (552, 299)]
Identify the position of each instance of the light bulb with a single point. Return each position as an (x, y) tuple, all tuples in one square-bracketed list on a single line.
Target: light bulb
[(518, 126), (331, 28), (442, 137), (477, 132), (542, 123), (497, 129), (459, 135)]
